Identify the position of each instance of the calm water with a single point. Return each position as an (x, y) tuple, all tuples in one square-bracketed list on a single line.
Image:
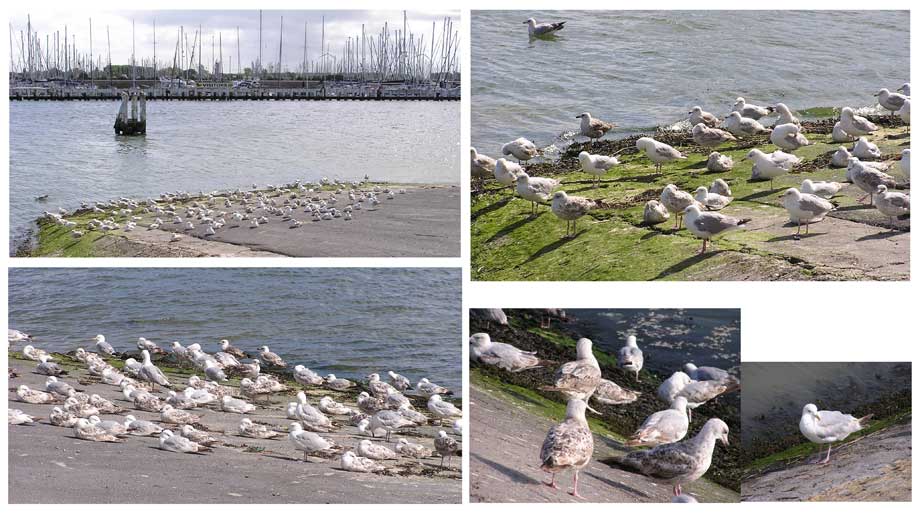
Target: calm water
[(69, 151), (349, 322), (669, 338), (642, 69), (774, 393)]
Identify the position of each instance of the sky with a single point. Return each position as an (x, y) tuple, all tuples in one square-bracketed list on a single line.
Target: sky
[(338, 27)]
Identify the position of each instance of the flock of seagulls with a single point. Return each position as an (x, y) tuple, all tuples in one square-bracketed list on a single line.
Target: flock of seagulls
[(381, 409), (709, 131), (206, 214), (569, 445)]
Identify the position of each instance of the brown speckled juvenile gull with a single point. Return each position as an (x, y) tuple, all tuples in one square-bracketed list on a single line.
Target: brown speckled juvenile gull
[(677, 463), (578, 379), (593, 128), (568, 445), (708, 137), (697, 115), (570, 209), (662, 427), (501, 355), (611, 393)]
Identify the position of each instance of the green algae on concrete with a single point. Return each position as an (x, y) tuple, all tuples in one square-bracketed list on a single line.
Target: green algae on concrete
[(613, 244)]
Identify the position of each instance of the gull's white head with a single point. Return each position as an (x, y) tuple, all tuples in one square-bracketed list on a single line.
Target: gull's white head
[(435, 398), (295, 427), (696, 110), (631, 341), (883, 91), (791, 193), (882, 189), (717, 428), (224, 344), (442, 434), (689, 368), (480, 340), (302, 397), (811, 410), (100, 338), (692, 209), (530, 21), (583, 348), (584, 115), (575, 409)]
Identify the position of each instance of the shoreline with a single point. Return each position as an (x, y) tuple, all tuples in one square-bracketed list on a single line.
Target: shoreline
[(422, 222), (855, 242), (254, 471)]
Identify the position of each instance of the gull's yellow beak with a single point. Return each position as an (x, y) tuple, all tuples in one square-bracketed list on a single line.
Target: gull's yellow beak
[(817, 416)]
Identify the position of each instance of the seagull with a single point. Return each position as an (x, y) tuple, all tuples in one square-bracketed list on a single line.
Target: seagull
[(308, 442), (271, 358), (536, 30), (741, 126), (663, 427), (442, 409), (46, 367), (307, 377), (534, 189), (501, 355), (721, 187), (750, 110), (481, 165), (141, 427), (85, 430), (103, 346), (697, 393), (231, 405), (171, 415), (17, 417), (253, 430), (367, 449), (151, 373), (785, 116), (613, 394), (712, 201), (112, 427), (905, 88), (855, 125), (680, 462), (892, 204), (427, 388), (770, 166), (890, 101), (53, 385), (865, 150), (788, 137), (708, 137), (568, 445), (327, 405), (676, 201), (697, 115), (353, 463), (62, 418), (506, 172), (400, 382), (828, 427), (838, 135), (412, 450), (33, 353), (841, 157), (593, 128), (175, 443), (707, 373), (655, 213), (904, 111), (868, 178), (630, 356), (446, 446), (338, 384), (490, 315), (390, 421), (230, 349), (12, 335), (717, 162), (596, 164), (823, 189), (658, 152), (522, 149), (707, 225), (578, 379), (570, 209)]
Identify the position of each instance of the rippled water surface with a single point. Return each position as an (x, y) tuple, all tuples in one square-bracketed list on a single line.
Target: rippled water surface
[(68, 150), (641, 69), (669, 338), (349, 322)]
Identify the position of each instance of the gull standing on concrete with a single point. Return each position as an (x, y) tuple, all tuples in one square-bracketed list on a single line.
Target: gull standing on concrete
[(805, 208), (904, 111), (578, 379), (707, 225), (868, 178), (568, 445), (892, 204), (151, 373), (663, 427), (658, 152), (308, 442), (596, 164), (570, 209), (680, 462), (828, 427)]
